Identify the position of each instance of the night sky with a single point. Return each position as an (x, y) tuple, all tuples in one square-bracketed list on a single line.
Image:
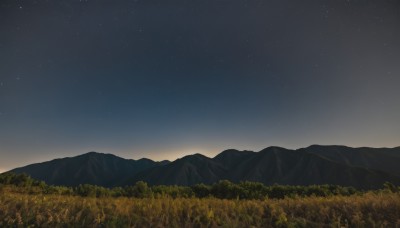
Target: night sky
[(166, 78)]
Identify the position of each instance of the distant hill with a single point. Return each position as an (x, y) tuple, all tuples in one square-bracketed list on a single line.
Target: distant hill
[(90, 168), (385, 159), (366, 168), (189, 170), (312, 165)]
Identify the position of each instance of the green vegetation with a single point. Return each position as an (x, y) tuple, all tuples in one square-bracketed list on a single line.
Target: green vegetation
[(26, 202), (223, 190)]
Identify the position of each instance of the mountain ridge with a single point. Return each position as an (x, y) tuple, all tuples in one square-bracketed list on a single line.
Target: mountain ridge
[(361, 167), (96, 168)]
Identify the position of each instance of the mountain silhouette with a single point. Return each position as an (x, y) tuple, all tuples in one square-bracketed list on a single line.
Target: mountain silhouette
[(91, 168), (366, 168), (189, 170)]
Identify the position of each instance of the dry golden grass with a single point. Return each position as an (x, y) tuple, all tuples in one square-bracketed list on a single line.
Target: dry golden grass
[(369, 210)]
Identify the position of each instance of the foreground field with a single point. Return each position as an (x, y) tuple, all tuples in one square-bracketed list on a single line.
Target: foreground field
[(369, 210)]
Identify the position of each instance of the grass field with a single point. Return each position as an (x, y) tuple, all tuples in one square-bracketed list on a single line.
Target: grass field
[(368, 210)]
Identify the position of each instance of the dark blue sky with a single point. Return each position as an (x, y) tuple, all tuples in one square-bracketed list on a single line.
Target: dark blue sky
[(166, 78)]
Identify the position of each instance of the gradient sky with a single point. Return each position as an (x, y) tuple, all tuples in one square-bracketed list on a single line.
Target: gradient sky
[(166, 78)]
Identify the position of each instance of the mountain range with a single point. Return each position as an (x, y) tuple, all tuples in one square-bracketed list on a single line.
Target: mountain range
[(365, 168)]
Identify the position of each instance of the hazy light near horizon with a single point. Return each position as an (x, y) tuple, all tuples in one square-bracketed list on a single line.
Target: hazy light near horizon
[(159, 155)]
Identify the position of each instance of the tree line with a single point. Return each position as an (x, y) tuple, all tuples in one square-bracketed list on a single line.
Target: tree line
[(223, 189)]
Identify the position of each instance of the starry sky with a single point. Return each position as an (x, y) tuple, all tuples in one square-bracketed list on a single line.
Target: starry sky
[(166, 78)]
